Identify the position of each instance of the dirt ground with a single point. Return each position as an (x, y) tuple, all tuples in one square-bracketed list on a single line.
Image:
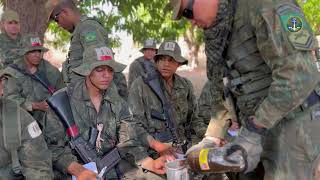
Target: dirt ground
[(197, 76)]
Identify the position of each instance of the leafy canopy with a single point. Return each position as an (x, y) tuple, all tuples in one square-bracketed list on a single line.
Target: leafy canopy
[(142, 19)]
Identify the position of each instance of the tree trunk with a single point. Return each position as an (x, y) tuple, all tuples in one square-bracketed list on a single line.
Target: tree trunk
[(32, 13), (193, 46)]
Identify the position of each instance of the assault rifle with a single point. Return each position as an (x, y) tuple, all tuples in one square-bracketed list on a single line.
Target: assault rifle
[(153, 81), (86, 150)]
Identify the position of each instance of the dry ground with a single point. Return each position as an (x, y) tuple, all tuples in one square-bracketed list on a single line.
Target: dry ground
[(198, 77)]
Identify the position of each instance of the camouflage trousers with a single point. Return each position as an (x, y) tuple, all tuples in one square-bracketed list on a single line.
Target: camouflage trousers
[(292, 148)]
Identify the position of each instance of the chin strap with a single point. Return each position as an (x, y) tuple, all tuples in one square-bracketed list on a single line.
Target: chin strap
[(101, 91), (93, 84)]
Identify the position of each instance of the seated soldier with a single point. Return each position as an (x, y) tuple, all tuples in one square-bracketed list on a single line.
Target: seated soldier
[(36, 78), (10, 37), (151, 138), (136, 68), (23, 151), (85, 32), (95, 105)]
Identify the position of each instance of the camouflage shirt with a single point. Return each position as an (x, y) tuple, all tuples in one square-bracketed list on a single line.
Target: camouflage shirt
[(206, 106), (9, 49), (26, 90), (86, 33), (119, 79), (136, 69), (142, 100), (113, 114), (34, 156), (265, 43)]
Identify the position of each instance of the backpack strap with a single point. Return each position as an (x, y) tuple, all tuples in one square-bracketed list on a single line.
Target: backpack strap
[(11, 132)]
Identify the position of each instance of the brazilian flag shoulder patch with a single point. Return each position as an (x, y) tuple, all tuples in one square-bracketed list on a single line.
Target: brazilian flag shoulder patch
[(295, 25), (90, 36)]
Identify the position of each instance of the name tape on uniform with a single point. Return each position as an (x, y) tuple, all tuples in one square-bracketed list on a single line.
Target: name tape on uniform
[(34, 129)]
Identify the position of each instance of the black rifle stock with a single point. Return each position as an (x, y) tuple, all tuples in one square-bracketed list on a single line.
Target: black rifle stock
[(60, 104)]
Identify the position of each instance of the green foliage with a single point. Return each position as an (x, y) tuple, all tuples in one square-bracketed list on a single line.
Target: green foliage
[(311, 9), (142, 19), (60, 37)]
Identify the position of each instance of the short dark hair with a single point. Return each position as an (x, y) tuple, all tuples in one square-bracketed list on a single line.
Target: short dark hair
[(69, 4)]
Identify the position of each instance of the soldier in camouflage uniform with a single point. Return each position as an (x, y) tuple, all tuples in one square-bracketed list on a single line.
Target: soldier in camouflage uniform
[(85, 31), (136, 68), (36, 78), (150, 137), (23, 151), (94, 102), (119, 79), (10, 37), (264, 48)]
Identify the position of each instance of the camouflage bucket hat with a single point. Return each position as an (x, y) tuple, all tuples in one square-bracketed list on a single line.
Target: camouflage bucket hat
[(95, 56), (6, 71), (10, 15), (172, 49), (30, 43), (149, 44)]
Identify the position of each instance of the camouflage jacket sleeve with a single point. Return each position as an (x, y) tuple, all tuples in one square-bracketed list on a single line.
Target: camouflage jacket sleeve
[(215, 66), (34, 155), (55, 76), (55, 136), (133, 73), (288, 54), (91, 32), (13, 91), (120, 81), (139, 136), (127, 135), (60, 84), (192, 118), (204, 106)]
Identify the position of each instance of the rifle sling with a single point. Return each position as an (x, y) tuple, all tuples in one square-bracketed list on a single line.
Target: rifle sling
[(12, 132), (42, 80), (152, 79)]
